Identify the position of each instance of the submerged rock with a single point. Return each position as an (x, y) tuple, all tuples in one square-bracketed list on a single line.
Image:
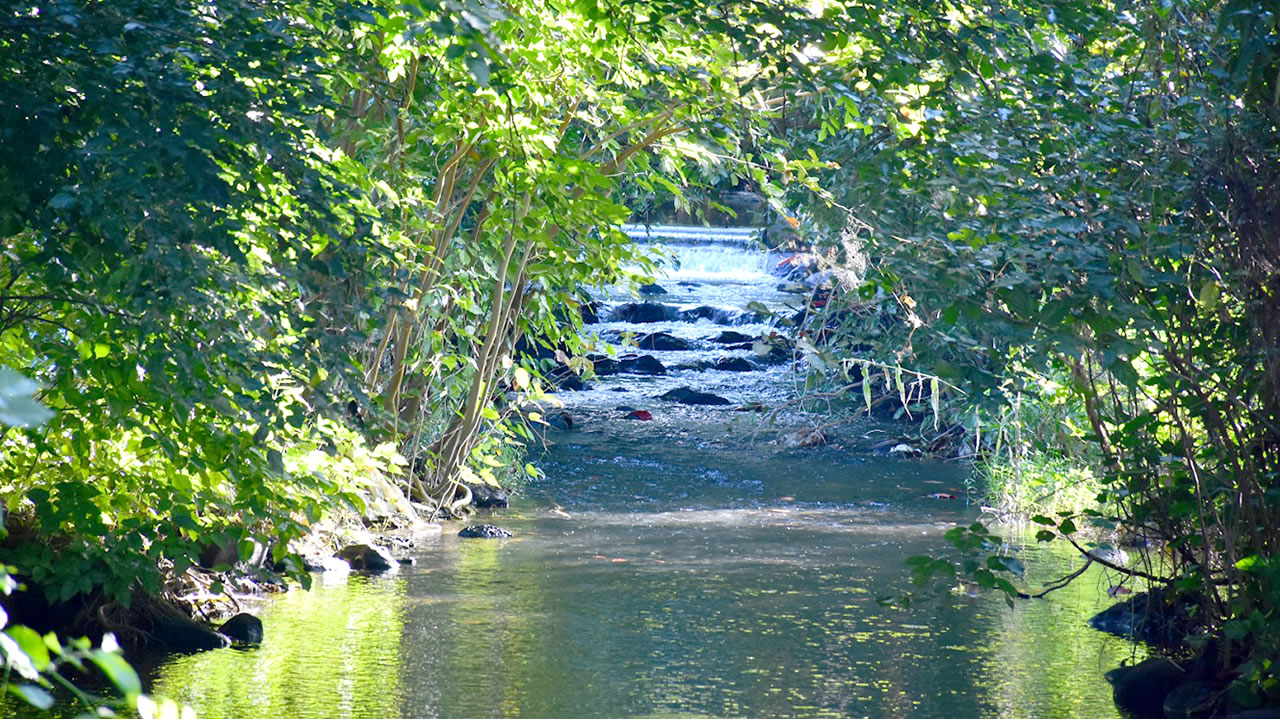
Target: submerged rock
[(652, 289), (1140, 690), (689, 396), (730, 337), (483, 531), (559, 420), (368, 558), (243, 629)]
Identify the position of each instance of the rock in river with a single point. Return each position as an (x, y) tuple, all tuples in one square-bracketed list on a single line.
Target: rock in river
[(689, 396), (1156, 616), (661, 341), (643, 313), (642, 365), (1140, 690), (734, 364), (729, 337), (487, 496), (369, 558), (483, 531), (243, 629), (173, 633)]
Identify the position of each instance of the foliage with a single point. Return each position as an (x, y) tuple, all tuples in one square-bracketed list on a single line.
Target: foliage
[(35, 658), (248, 240), (1060, 190)]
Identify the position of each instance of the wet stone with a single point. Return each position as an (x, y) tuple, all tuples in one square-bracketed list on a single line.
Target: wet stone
[(734, 364), (662, 341), (689, 396), (483, 531), (243, 629), (367, 558), (643, 313), (642, 365)]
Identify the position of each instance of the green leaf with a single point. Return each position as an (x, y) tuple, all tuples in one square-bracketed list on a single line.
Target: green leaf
[(32, 695), (1045, 536), (17, 659), (17, 407), (31, 644), (62, 201), (1066, 527), (1209, 294), (1251, 563), (119, 672), (479, 69)]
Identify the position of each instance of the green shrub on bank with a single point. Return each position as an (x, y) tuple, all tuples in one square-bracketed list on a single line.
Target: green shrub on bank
[(1038, 483)]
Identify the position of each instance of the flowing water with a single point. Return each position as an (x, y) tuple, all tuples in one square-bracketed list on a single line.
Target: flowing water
[(678, 567)]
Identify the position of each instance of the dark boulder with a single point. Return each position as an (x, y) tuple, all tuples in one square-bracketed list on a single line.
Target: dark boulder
[(652, 289), (662, 341), (174, 633), (731, 337), (1140, 690), (243, 629), (1195, 699), (589, 312), (483, 531), (642, 365), (1155, 617), (602, 365), (733, 364), (367, 558), (719, 316), (487, 496), (569, 381), (689, 396), (559, 420), (645, 312)]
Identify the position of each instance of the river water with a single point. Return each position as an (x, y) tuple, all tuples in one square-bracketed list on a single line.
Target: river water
[(680, 567)]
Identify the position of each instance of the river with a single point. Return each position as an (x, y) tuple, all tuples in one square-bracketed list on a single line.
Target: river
[(680, 567)]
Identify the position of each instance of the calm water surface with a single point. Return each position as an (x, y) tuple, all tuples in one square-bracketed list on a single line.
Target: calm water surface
[(688, 581)]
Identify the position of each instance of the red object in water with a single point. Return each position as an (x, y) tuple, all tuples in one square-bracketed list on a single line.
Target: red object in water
[(640, 415), (786, 261), (941, 496)]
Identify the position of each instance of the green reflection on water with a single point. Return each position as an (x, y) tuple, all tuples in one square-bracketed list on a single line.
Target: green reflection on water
[(333, 651), (665, 603)]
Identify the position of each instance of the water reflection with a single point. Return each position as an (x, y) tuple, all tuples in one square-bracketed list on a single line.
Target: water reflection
[(756, 603), (333, 651)]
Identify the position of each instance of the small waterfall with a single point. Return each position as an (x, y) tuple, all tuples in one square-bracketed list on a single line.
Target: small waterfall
[(716, 263), (692, 234)]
